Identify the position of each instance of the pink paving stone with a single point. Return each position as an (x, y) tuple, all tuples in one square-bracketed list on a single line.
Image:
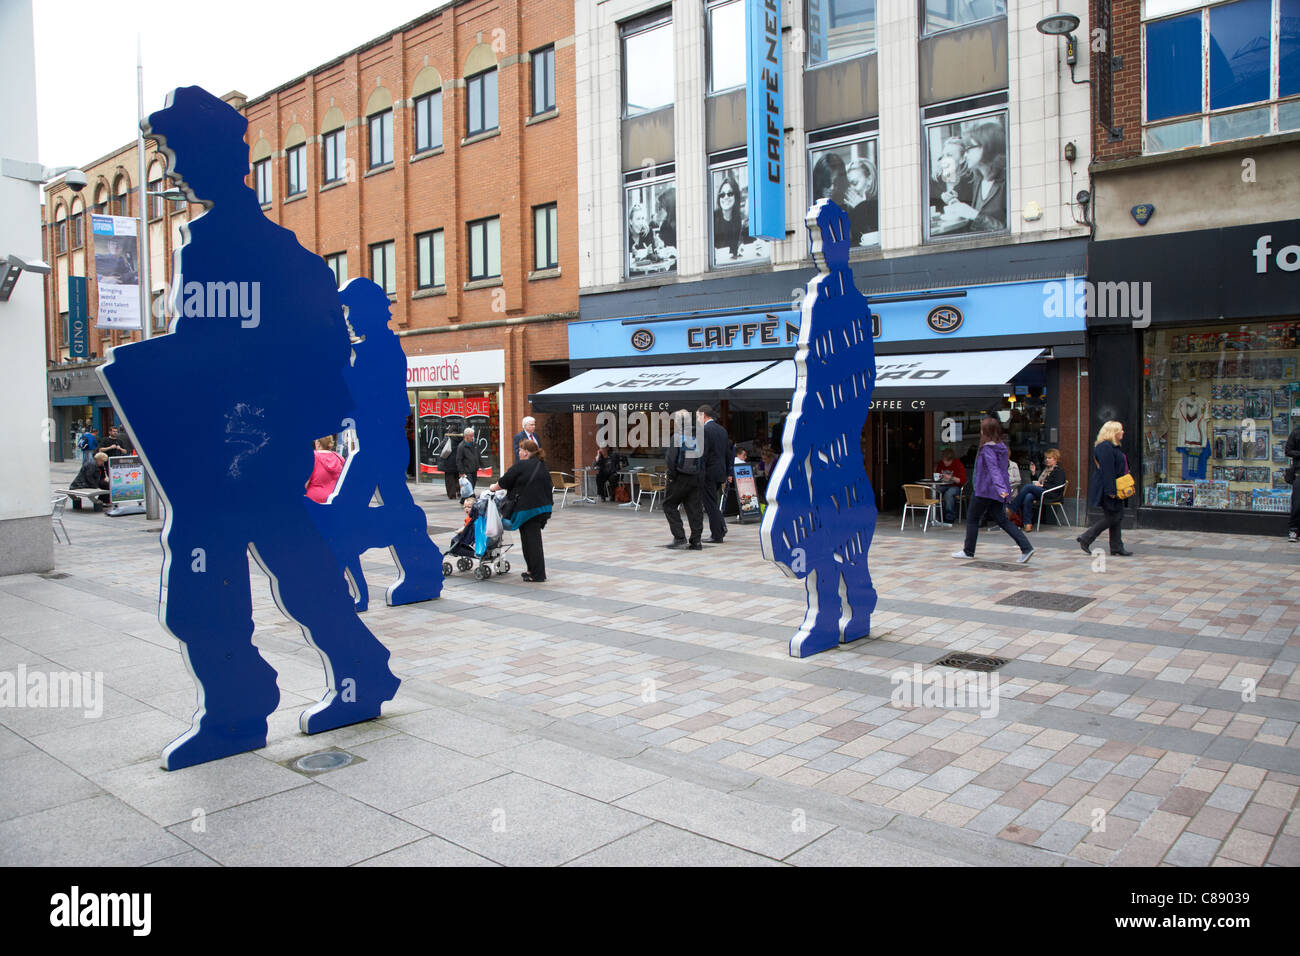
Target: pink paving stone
[(1073, 754), (1263, 819), (1117, 833), (1157, 782), (850, 730), (1184, 800), (1112, 787), (1023, 797), (1069, 790), (1245, 846), (1212, 822), (1025, 835), (1113, 750)]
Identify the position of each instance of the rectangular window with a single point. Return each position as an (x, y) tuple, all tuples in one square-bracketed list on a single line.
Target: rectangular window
[(381, 138), (481, 103), (78, 229), (429, 270), (943, 15), (296, 161), (485, 249), (846, 171), (383, 266), (726, 45), (651, 227), (732, 243), (543, 80), (648, 64), (966, 160), (61, 236), (262, 180), (839, 29), (546, 242), (63, 328), (1203, 64), (338, 263), (428, 121), (156, 203), (334, 154)]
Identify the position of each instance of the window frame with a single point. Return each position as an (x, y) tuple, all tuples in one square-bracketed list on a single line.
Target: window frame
[(631, 29), (333, 260), (552, 238), (479, 80), (1275, 103), (971, 115), (486, 251), (388, 250), (437, 245), (295, 161), (665, 178), (923, 32), (544, 55), (384, 120), (713, 6), (423, 104), (61, 236), (334, 152), (262, 181), (77, 229)]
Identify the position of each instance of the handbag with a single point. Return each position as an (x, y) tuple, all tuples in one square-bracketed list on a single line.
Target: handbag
[(1124, 485)]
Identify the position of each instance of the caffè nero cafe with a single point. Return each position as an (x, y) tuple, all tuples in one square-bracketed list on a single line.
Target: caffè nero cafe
[(944, 359)]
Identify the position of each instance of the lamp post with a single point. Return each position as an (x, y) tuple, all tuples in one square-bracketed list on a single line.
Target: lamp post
[(146, 283)]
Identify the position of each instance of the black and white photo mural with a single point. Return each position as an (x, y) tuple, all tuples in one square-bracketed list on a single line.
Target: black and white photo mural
[(966, 161), (846, 172), (651, 227), (732, 243)]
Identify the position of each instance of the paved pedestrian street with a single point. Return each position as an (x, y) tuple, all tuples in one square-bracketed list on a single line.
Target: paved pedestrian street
[(640, 708)]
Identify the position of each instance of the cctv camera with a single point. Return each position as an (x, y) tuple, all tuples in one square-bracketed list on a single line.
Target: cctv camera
[(75, 180)]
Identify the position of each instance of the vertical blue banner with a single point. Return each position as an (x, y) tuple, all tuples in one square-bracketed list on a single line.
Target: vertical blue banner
[(765, 121), (78, 318)]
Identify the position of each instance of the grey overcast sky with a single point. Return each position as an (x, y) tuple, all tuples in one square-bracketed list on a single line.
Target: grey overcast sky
[(85, 57)]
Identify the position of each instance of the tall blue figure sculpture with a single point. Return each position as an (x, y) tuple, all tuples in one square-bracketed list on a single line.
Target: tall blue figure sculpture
[(821, 511), (377, 381), (223, 411)]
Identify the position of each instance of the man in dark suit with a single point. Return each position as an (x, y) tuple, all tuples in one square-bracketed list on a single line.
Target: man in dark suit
[(715, 467), (528, 434)]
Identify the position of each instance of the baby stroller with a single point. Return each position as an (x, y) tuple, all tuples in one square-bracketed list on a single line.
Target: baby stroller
[(482, 541)]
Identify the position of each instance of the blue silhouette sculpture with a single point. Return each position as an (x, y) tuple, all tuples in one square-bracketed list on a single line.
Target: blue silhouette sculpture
[(223, 411), (821, 512), (377, 381)]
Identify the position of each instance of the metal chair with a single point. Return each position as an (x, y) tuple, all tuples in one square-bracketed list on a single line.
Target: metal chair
[(57, 504), (650, 482), (918, 499), (1055, 506), (565, 482)]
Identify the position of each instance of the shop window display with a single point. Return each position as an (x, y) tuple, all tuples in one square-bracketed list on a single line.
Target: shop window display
[(1218, 408)]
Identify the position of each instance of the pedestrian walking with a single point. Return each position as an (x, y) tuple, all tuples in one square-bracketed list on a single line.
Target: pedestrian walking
[(527, 433), (528, 505), (89, 444), (1292, 475), (716, 445), (447, 461), (684, 476), (467, 462), (992, 489), (1108, 465)]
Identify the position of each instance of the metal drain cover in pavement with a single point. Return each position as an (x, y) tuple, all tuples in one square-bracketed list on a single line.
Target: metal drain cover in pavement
[(323, 761), (970, 662), (1046, 600)]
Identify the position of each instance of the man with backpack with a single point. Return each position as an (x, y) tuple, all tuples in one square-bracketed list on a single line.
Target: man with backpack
[(88, 444), (684, 484)]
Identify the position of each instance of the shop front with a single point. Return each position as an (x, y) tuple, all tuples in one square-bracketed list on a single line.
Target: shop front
[(448, 393), (77, 403), (944, 359), (1206, 382)]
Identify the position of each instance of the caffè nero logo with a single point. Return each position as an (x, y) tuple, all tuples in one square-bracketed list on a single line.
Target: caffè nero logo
[(944, 318), (643, 340)]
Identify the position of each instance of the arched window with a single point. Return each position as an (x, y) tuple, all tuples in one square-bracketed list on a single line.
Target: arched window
[(480, 90), (295, 160), (334, 153), (101, 200), (426, 94), (77, 224), (120, 204), (60, 229), (379, 127), (261, 158)]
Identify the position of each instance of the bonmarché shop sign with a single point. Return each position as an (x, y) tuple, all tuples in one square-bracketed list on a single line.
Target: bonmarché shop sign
[(456, 369)]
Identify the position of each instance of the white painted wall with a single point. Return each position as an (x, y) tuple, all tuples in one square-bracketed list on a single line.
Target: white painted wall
[(25, 488)]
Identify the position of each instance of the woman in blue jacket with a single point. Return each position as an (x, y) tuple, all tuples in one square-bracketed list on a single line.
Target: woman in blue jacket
[(1108, 463), (992, 489)]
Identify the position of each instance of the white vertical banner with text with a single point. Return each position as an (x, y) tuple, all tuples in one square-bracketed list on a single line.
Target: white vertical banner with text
[(117, 274)]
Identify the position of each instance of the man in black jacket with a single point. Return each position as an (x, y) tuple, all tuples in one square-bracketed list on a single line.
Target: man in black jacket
[(1293, 452), (716, 465), (684, 475), (467, 458)]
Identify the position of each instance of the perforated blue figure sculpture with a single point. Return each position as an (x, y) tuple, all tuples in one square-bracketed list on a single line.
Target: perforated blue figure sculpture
[(377, 381), (821, 511), (223, 411)]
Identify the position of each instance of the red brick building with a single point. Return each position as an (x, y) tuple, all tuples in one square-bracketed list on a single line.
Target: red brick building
[(438, 160)]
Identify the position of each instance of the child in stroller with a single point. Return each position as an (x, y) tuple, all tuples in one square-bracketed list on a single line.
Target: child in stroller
[(480, 540)]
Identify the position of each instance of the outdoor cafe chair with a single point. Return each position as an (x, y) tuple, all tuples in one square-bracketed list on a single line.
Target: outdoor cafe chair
[(918, 499), (648, 482), (565, 482), (1055, 506)]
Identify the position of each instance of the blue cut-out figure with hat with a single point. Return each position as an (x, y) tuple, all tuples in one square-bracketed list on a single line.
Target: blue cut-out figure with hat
[(223, 411), (821, 511), (377, 381)]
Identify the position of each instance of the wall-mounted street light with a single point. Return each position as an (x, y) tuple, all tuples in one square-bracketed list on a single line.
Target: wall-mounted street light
[(1064, 25)]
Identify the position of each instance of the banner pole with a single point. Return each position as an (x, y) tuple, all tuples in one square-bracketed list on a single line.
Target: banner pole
[(146, 284)]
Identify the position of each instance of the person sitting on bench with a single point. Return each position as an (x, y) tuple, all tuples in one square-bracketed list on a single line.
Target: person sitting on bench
[(93, 474)]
